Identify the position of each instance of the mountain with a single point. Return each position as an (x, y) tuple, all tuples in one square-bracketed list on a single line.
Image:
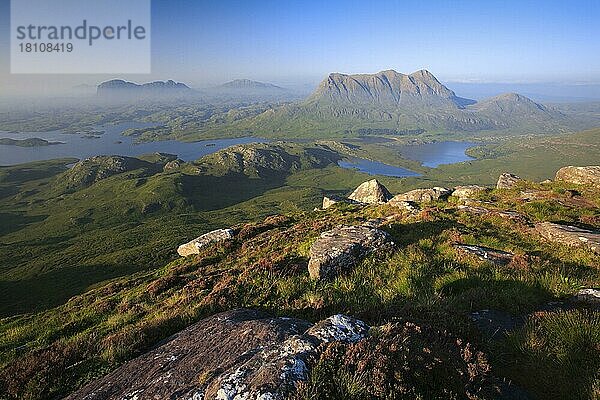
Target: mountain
[(511, 103), (118, 89), (512, 109), (249, 84), (386, 88), (389, 102), (248, 91)]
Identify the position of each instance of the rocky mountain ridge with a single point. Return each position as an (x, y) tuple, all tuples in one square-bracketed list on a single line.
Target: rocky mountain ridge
[(386, 88)]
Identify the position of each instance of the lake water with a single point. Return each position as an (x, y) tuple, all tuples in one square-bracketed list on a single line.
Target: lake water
[(375, 167), (430, 155), (111, 142), (434, 154)]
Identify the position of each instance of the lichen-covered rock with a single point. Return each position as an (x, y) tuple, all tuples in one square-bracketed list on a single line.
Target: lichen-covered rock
[(422, 195), (569, 235), (371, 192), (580, 175), (508, 181), (494, 256), (587, 296), (239, 354), (194, 246), (532, 195), (341, 248), (469, 191), (328, 201), (339, 327)]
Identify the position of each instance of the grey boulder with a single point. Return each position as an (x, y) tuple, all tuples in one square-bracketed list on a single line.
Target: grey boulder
[(341, 248), (580, 175), (588, 296), (422, 195), (239, 354), (371, 192), (468, 192), (329, 201), (194, 246), (494, 256), (508, 181), (569, 235)]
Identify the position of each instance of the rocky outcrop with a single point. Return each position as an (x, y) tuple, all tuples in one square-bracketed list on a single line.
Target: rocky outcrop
[(588, 296), (422, 195), (328, 201), (338, 328), (569, 235), (580, 175), (533, 195), (172, 165), (494, 256), (194, 246), (483, 211), (371, 192), (240, 354), (468, 192), (341, 248), (508, 181), (266, 160), (94, 169)]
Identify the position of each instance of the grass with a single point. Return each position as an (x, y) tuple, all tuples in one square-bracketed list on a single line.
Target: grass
[(557, 354)]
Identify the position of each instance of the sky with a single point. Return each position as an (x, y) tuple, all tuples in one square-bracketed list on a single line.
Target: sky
[(300, 42)]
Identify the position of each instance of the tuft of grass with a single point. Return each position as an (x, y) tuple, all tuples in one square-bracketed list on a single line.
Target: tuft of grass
[(556, 355)]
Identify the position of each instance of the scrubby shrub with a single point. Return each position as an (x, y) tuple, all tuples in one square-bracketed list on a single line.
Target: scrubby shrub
[(400, 361)]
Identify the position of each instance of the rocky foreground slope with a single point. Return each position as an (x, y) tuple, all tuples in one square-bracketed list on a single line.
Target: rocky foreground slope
[(449, 293)]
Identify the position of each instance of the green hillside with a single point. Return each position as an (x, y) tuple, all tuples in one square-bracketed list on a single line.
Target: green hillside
[(424, 279), (58, 240)]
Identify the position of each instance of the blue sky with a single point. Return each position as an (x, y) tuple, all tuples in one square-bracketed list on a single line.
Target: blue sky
[(478, 40), (204, 42)]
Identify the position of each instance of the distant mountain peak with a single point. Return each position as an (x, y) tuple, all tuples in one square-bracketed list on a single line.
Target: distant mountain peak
[(507, 101), (121, 84), (248, 84), (119, 89)]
